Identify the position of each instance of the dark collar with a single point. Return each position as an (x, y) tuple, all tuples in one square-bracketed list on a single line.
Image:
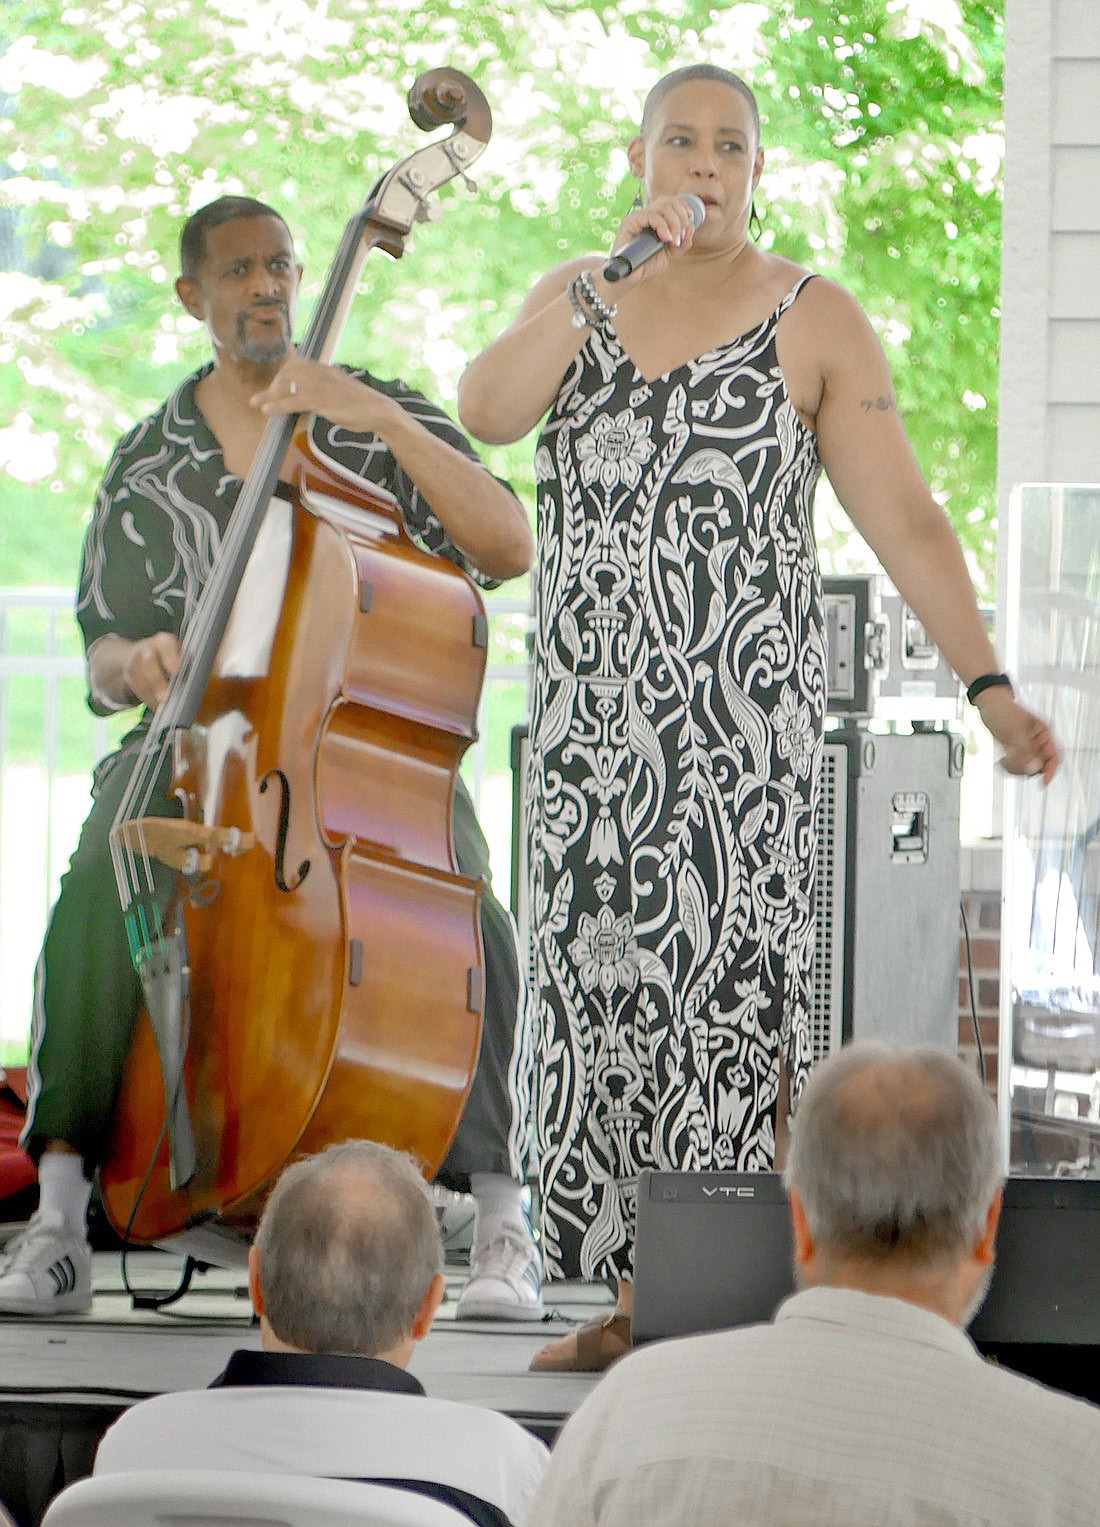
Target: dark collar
[(315, 1370)]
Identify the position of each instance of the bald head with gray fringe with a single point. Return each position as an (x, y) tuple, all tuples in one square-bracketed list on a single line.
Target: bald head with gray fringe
[(896, 1155)]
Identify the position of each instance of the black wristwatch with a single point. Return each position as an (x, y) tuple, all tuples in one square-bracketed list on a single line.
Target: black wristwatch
[(986, 681)]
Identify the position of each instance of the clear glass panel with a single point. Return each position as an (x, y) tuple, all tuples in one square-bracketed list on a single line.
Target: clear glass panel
[(1051, 950)]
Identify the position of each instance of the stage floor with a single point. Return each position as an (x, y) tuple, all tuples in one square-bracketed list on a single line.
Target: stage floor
[(120, 1352), (62, 1381)]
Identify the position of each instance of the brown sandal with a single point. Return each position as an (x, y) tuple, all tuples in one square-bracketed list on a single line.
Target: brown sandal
[(591, 1348)]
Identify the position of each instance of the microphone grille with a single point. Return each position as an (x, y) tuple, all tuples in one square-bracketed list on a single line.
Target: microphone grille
[(696, 210)]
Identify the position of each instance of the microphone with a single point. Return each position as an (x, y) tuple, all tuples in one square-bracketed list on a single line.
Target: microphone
[(646, 245)]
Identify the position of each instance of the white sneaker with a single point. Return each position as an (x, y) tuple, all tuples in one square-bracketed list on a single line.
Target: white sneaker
[(505, 1281), (46, 1270)]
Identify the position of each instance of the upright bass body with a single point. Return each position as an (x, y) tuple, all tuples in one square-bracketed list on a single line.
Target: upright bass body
[(332, 948)]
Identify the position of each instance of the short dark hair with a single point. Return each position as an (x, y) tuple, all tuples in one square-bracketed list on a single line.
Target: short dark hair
[(224, 210), (348, 1244), (697, 72)]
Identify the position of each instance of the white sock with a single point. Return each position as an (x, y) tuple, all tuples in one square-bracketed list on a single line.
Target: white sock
[(498, 1202), (63, 1190)]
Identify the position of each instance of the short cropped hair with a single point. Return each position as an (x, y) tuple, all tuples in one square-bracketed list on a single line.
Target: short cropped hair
[(697, 72), (348, 1244), (224, 210), (895, 1153)]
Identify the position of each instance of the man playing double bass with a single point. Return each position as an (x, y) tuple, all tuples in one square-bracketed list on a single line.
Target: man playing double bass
[(159, 518)]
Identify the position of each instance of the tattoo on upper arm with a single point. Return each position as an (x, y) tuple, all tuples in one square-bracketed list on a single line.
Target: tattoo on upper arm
[(882, 403)]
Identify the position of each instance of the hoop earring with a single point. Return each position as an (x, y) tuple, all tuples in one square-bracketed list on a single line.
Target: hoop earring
[(756, 225), (637, 202)]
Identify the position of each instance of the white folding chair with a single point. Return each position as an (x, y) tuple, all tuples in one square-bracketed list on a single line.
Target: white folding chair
[(199, 1498)]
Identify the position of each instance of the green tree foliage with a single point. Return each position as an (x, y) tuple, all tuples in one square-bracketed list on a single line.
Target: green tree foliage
[(881, 122)]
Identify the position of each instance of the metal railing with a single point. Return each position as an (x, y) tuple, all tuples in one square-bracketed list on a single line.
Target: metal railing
[(50, 742)]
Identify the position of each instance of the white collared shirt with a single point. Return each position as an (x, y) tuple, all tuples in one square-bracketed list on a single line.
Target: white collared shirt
[(850, 1410), (333, 1416)]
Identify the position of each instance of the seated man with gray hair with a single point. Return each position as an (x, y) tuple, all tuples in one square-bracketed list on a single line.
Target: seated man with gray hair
[(864, 1403), (345, 1275)]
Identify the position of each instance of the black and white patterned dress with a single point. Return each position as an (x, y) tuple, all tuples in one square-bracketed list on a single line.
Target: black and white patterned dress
[(679, 693)]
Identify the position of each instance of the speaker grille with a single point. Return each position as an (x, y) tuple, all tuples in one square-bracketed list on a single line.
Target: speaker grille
[(827, 996)]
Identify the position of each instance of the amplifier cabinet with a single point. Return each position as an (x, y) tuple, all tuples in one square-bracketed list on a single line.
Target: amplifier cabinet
[(880, 662), (886, 954)]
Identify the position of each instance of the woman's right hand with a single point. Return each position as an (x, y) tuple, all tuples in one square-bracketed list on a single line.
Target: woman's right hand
[(668, 217), (506, 390)]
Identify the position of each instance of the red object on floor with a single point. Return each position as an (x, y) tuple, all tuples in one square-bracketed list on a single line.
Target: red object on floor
[(16, 1168)]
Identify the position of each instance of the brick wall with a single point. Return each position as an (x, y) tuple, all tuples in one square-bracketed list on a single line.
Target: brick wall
[(980, 877), (983, 916)]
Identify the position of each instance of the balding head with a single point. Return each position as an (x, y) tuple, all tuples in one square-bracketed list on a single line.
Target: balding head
[(895, 1156), (346, 1250)]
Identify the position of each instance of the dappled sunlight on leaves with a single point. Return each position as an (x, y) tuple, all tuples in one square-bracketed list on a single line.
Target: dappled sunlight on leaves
[(881, 125)]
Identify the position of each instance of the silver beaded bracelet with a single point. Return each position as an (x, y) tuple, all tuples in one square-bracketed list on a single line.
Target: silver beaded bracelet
[(592, 299), (588, 306), (581, 316)]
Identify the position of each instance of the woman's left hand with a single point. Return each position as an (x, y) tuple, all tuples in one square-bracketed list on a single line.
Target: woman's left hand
[(1028, 743)]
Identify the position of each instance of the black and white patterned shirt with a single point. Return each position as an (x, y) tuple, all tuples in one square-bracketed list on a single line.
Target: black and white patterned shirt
[(167, 495)]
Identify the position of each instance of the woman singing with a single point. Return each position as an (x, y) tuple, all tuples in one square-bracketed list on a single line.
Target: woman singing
[(679, 671)]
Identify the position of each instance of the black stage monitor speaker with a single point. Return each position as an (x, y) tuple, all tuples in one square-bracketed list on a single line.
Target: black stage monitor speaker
[(714, 1250), (1046, 1285)]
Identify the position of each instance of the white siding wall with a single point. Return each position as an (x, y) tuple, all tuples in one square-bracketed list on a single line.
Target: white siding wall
[(1050, 328)]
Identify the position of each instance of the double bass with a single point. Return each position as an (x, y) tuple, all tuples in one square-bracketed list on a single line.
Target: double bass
[(309, 954)]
